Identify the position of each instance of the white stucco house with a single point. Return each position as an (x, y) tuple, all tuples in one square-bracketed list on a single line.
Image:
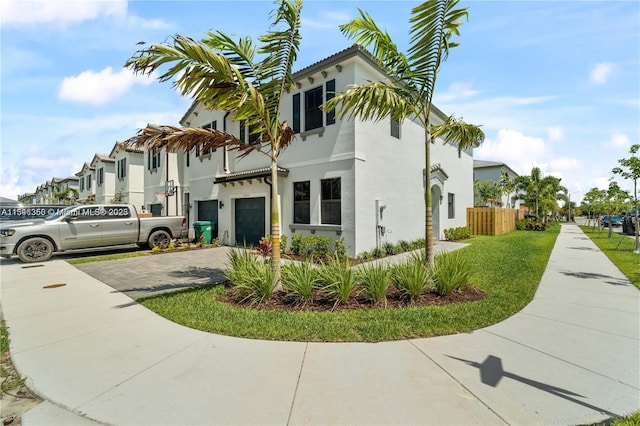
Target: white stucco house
[(129, 174), (86, 184), (360, 180), (104, 167)]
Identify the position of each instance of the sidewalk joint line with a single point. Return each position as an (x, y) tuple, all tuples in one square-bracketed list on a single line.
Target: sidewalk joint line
[(459, 382), (580, 326), (295, 391)]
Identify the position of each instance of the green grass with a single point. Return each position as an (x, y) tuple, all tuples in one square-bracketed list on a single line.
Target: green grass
[(619, 250), (507, 267), (630, 420), (103, 257)]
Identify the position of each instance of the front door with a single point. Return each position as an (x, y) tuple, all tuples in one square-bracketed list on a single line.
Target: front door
[(249, 221)]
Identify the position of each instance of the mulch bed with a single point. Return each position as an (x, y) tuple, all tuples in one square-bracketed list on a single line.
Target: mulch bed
[(395, 299)]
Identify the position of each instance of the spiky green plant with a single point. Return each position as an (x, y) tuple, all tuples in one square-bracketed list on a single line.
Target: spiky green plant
[(252, 278), (338, 280), (300, 280), (375, 280), (451, 272), (413, 278)]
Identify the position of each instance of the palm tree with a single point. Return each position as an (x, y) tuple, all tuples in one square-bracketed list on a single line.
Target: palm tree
[(409, 94), (507, 186), (223, 74), (487, 191)]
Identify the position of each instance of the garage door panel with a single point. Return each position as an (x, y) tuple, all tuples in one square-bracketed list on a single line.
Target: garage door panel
[(249, 220)]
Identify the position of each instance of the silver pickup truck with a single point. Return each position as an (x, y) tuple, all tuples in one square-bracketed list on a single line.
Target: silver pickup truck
[(86, 226)]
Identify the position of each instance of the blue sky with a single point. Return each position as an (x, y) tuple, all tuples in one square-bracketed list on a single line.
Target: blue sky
[(555, 84)]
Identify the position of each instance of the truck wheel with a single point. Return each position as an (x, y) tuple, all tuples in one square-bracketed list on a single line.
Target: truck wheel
[(35, 250), (159, 238)]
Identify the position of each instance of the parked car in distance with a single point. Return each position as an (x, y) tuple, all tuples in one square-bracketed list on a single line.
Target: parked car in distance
[(615, 220), (86, 226)]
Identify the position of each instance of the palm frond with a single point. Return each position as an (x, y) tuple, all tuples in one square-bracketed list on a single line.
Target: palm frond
[(434, 23), (281, 46), (374, 101), (173, 139), (241, 54), (456, 132), (366, 32)]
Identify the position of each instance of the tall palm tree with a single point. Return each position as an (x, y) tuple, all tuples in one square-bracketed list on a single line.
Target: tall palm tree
[(409, 93), (240, 77)]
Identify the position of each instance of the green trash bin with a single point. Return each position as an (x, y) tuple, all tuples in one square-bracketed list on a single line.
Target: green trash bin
[(203, 228)]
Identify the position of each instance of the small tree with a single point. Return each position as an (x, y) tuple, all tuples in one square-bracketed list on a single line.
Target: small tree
[(630, 169), (118, 197)]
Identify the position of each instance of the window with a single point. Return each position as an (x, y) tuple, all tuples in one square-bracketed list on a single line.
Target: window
[(100, 176), (296, 113), (88, 182), (395, 128), (81, 184), (254, 138), (122, 168), (331, 93), (330, 209), (204, 151), (154, 158), (188, 157), (451, 205), (312, 111), (302, 202)]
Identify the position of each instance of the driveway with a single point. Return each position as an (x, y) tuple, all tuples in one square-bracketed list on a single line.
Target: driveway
[(144, 276)]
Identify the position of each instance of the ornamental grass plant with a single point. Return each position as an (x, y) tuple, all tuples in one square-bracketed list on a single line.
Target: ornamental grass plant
[(253, 279), (451, 271)]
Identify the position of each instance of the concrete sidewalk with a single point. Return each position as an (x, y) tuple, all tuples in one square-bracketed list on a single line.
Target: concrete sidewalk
[(570, 357)]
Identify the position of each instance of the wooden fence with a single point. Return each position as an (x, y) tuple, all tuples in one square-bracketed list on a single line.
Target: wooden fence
[(492, 220)]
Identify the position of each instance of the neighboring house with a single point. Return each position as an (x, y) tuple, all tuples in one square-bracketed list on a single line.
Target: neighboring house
[(105, 178), (360, 180), (27, 198), (492, 171), (129, 174), (161, 179), (86, 184)]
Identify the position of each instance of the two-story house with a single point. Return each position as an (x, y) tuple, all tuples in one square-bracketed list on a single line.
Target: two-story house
[(129, 174), (360, 180), (86, 182), (492, 171), (104, 167)]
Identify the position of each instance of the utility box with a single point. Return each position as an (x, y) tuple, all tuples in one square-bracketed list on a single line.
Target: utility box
[(203, 229)]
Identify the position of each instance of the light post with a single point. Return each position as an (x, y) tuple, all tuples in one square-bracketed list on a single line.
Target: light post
[(574, 192)]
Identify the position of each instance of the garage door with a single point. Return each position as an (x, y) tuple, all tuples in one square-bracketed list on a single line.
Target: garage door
[(208, 210), (249, 221)]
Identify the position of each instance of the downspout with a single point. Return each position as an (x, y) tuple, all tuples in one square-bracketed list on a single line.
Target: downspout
[(166, 197), (225, 155)]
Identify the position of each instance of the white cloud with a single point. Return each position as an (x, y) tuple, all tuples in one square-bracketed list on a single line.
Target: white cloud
[(618, 141), (601, 72), (326, 20), (560, 164), (601, 183), (456, 91), (96, 88), (58, 11), (518, 151), (9, 184), (556, 133), (148, 24)]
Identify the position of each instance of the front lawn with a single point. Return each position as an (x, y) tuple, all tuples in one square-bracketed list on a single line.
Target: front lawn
[(619, 249), (507, 267)]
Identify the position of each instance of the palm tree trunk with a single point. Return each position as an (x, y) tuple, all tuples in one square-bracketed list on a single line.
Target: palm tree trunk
[(428, 229), (275, 224)]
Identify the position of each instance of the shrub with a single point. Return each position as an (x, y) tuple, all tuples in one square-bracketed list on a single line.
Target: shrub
[(338, 280), (317, 247), (283, 243), (171, 246), (534, 225), (460, 233), (300, 279), (264, 247), (404, 245), (451, 271), (252, 278), (377, 252), (412, 278), (339, 249), (365, 256), (184, 246), (296, 244), (374, 279), (521, 224), (389, 248), (155, 249)]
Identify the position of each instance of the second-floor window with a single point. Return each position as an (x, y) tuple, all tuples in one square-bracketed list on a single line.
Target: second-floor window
[(204, 151), (153, 159), (88, 182), (122, 168), (312, 112), (451, 205), (100, 176), (395, 128), (81, 184), (296, 113), (302, 202)]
